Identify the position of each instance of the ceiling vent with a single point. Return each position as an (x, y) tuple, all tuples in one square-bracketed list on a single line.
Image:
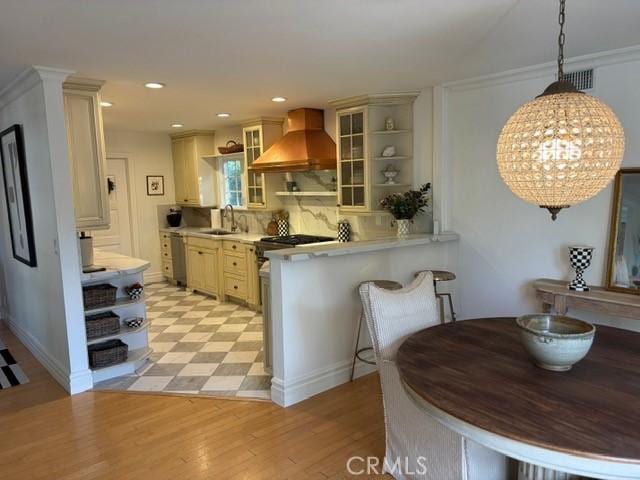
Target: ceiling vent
[(582, 80)]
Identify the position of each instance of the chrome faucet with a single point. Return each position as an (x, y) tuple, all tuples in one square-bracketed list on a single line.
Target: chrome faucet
[(234, 227)]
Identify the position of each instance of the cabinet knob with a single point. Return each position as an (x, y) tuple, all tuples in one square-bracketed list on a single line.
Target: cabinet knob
[(233, 246), (199, 253), (251, 250), (234, 264), (235, 287)]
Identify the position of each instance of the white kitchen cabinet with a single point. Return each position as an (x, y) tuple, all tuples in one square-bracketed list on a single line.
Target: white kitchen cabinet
[(258, 135), (204, 272), (194, 168), (362, 135), (83, 119)]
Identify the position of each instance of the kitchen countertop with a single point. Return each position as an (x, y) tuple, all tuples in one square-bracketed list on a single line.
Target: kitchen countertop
[(116, 265), (333, 249), (249, 238)]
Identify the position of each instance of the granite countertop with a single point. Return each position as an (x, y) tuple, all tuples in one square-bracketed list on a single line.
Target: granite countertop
[(332, 249), (116, 265), (249, 238)]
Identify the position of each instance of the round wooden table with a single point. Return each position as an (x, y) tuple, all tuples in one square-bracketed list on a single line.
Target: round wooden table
[(475, 377)]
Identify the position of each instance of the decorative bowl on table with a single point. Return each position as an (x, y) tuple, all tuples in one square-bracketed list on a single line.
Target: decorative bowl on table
[(555, 342)]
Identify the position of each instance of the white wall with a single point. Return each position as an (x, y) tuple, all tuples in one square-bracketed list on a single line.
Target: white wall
[(43, 305), (505, 242), (148, 154)]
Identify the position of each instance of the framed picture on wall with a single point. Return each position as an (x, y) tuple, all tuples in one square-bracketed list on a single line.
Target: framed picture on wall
[(155, 185), (16, 189)]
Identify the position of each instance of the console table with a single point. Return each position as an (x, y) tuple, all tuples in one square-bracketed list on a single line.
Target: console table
[(555, 295)]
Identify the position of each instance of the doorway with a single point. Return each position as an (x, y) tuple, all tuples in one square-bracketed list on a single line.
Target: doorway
[(118, 237)]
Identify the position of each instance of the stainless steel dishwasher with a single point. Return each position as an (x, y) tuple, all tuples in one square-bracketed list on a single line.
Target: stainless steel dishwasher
[(178, 258)]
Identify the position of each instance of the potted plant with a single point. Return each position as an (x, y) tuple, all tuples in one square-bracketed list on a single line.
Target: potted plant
[(405, 206)]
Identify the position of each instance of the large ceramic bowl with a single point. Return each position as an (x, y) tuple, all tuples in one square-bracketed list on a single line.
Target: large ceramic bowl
[(555, 342)]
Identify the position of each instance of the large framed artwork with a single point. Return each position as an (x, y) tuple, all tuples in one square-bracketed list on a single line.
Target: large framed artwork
[(16, 188)]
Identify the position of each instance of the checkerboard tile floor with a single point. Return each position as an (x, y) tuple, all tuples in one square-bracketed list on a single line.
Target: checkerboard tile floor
[(201, 346)]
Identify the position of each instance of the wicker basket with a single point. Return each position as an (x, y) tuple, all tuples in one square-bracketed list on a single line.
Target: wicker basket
[(232, 147), (102, 324), (107, 353), (96, 296)]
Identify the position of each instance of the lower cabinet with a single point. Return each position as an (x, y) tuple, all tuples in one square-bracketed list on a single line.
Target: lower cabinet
[(224, 268), (203, 265)]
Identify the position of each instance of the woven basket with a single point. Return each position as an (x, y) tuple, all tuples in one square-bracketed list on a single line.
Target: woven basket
[(232, 147), (96, 296), (107, 353), (102, 324)]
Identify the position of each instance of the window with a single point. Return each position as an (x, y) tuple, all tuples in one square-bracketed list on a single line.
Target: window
[(231, 169)]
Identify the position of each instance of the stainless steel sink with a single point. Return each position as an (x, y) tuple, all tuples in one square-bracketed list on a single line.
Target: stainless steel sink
[(216, 231)]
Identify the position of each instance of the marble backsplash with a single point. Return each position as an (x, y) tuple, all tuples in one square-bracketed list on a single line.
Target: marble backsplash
[(308, 215)]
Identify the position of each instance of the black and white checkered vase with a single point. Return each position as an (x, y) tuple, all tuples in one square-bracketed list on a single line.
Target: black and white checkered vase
[(580, 259), (283, 227), (344, 231)]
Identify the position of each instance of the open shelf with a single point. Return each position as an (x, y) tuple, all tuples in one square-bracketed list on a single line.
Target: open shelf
[(124, 331), (120, 302), (134, 356), (397, 157), (389, 132), (307, 194)]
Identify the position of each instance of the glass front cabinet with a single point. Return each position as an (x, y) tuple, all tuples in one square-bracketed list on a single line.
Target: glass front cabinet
[(258, 135), (374, 141), (352, 175)]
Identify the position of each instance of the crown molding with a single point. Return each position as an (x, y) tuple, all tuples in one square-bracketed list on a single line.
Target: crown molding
[(28, 79), (394, 98), (549, 69), (252, 122), (191, 133), (84, 84)]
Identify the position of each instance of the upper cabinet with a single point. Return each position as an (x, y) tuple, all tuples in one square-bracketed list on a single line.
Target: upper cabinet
[(374, 134), (194, 169), (258, 135), (87, 157)]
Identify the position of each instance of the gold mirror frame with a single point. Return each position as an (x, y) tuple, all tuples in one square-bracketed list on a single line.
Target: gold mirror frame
[(613, 232)]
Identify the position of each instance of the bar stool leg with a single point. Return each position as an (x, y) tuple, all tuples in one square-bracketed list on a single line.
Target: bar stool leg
[(355, 352), (453, 312), (439, 296)]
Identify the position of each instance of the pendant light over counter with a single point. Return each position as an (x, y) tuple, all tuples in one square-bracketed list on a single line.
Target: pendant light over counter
[(561, 148)]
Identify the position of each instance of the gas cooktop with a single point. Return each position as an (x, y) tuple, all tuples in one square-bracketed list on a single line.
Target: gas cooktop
[(294, 240)]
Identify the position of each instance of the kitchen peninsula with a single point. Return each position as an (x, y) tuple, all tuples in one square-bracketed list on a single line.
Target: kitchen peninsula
[(315, 304)]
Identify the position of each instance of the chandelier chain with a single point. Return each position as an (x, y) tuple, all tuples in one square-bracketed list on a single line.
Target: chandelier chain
[(561, 19)]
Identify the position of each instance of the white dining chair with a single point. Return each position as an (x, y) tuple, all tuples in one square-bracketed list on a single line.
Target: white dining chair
[(421, 446)]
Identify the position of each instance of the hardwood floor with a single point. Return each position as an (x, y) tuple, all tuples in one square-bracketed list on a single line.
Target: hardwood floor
[(98, 435)]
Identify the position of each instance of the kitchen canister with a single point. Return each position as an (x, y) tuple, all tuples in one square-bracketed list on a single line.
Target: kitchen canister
[(283, 227), (344, 231)]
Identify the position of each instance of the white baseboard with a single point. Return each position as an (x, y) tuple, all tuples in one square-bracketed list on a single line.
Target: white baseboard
[(290, 392), (72, 383), (153, 277)]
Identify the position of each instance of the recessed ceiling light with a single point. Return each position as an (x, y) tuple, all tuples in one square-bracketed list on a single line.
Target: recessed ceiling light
[(177, 125), (154, 85), (106, 104), (279, 99), (223, 115)]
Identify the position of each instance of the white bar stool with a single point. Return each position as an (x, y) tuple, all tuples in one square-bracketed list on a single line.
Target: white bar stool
[(442, 276)]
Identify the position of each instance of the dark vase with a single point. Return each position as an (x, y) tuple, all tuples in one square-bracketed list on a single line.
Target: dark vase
[(174, 219)]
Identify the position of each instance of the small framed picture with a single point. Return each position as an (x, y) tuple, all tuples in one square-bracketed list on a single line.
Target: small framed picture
[(155, 185)]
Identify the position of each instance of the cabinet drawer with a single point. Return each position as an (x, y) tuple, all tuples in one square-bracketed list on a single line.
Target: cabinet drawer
[(198, 242), (165, 245), (235, 286), (164, 236), (234, 264), (233, 248), (167, 268)]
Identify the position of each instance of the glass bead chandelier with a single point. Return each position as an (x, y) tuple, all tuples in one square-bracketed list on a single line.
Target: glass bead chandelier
[(562, 147)]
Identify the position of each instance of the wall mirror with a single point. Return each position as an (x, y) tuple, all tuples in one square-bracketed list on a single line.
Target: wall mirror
[(623, 264)]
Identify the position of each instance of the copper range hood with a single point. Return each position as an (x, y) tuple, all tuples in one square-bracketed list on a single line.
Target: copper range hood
[(306, 146)]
